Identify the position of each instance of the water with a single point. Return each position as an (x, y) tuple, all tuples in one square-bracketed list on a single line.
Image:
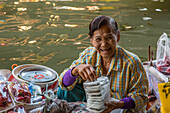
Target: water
[(53, 33)]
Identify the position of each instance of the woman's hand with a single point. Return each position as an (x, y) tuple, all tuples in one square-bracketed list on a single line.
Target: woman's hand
[(86, 71), (112, 105)]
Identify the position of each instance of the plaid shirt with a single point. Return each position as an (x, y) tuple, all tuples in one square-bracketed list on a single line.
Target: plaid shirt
[(126, 73)]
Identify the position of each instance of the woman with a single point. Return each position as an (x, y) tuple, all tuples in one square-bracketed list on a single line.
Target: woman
[(124, 69)]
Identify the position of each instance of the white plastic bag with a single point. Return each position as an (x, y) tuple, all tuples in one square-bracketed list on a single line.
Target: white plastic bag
[(163, 54)]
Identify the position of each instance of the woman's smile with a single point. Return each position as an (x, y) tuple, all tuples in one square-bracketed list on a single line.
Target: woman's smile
[(105, 50)]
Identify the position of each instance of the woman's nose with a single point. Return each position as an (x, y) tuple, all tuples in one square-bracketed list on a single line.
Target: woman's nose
[(103, 43)]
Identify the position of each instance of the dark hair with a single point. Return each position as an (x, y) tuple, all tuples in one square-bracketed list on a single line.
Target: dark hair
[(99, 21)]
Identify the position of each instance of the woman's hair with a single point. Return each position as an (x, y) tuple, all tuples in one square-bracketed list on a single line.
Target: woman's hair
[(102, 20)]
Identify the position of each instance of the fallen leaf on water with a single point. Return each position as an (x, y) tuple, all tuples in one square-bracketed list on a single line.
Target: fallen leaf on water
[(147, 18), (77, 43), (92, 7), (70, 25), (141, 25), (150, 24), (143, 9), (33, 41), (126, 27), (21, 9), (107, 8), (159, 10), (2, 59)]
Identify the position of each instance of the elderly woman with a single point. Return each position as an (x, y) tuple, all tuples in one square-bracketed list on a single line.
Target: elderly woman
[(124, 69)]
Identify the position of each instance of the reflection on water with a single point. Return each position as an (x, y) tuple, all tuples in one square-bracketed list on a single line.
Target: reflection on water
[(54, 32)]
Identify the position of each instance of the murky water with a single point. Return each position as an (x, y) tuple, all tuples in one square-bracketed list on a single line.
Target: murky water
[(53, 33)]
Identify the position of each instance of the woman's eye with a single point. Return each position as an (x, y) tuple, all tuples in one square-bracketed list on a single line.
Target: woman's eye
[(109, 37), (98, 39)]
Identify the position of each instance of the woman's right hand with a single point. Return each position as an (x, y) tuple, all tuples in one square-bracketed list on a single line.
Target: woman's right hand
[(86, 71)]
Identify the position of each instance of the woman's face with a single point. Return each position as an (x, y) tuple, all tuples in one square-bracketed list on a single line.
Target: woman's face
[(105, 40)]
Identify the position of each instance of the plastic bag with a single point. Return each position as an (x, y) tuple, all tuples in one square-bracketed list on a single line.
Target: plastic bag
[(97, 93), (25, 94), (4, 74), (163, 54), (6, 101), (17, 109), (20, 92)]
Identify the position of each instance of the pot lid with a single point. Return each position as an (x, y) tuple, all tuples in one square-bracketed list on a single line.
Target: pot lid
[(37, 74)]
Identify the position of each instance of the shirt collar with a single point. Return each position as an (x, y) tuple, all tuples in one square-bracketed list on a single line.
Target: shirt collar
[(98, 60)]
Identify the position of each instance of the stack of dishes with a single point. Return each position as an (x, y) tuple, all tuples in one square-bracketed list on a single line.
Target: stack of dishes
[(97, 93)]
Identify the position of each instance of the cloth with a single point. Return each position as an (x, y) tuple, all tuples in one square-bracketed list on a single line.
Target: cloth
[(129, 103), (74, 95), (62, 106), (126, 74), (68, 79)]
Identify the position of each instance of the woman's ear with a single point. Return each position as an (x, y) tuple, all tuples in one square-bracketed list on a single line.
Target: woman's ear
[(90, 39), (118, 36)]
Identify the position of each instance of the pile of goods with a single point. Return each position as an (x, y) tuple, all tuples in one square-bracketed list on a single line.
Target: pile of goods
[(62, 106), (20, 92), (14, 94), (158, 74), (5, 98), (97, 93), (24, 86)]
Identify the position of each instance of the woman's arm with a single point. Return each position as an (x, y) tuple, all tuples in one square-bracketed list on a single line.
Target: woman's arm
[(68, 78), (82, 70)]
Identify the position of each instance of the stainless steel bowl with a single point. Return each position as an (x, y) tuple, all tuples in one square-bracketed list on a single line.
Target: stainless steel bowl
[(20, 69)]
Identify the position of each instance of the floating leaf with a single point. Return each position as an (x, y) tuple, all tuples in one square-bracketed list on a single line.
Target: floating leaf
[(147, 18), (143, 9), (107, 8), (150, 24), (21, 9), (159, 10), (109, 0), (126, 27), (141, 25)]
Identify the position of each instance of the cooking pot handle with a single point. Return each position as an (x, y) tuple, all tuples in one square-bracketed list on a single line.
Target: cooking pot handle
[(14, 65)]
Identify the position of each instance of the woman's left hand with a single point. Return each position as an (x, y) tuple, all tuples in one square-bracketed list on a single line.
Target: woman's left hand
[(112, 105)]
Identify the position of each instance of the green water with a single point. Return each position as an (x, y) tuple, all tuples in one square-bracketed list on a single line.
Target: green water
[(53, 33)]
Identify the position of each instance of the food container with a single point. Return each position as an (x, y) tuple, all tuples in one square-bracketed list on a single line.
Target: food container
[(6, 101), (33, 73), (22, 95)]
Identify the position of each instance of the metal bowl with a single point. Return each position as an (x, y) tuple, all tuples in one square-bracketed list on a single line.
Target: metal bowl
[(19, 70), (37, 74)]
